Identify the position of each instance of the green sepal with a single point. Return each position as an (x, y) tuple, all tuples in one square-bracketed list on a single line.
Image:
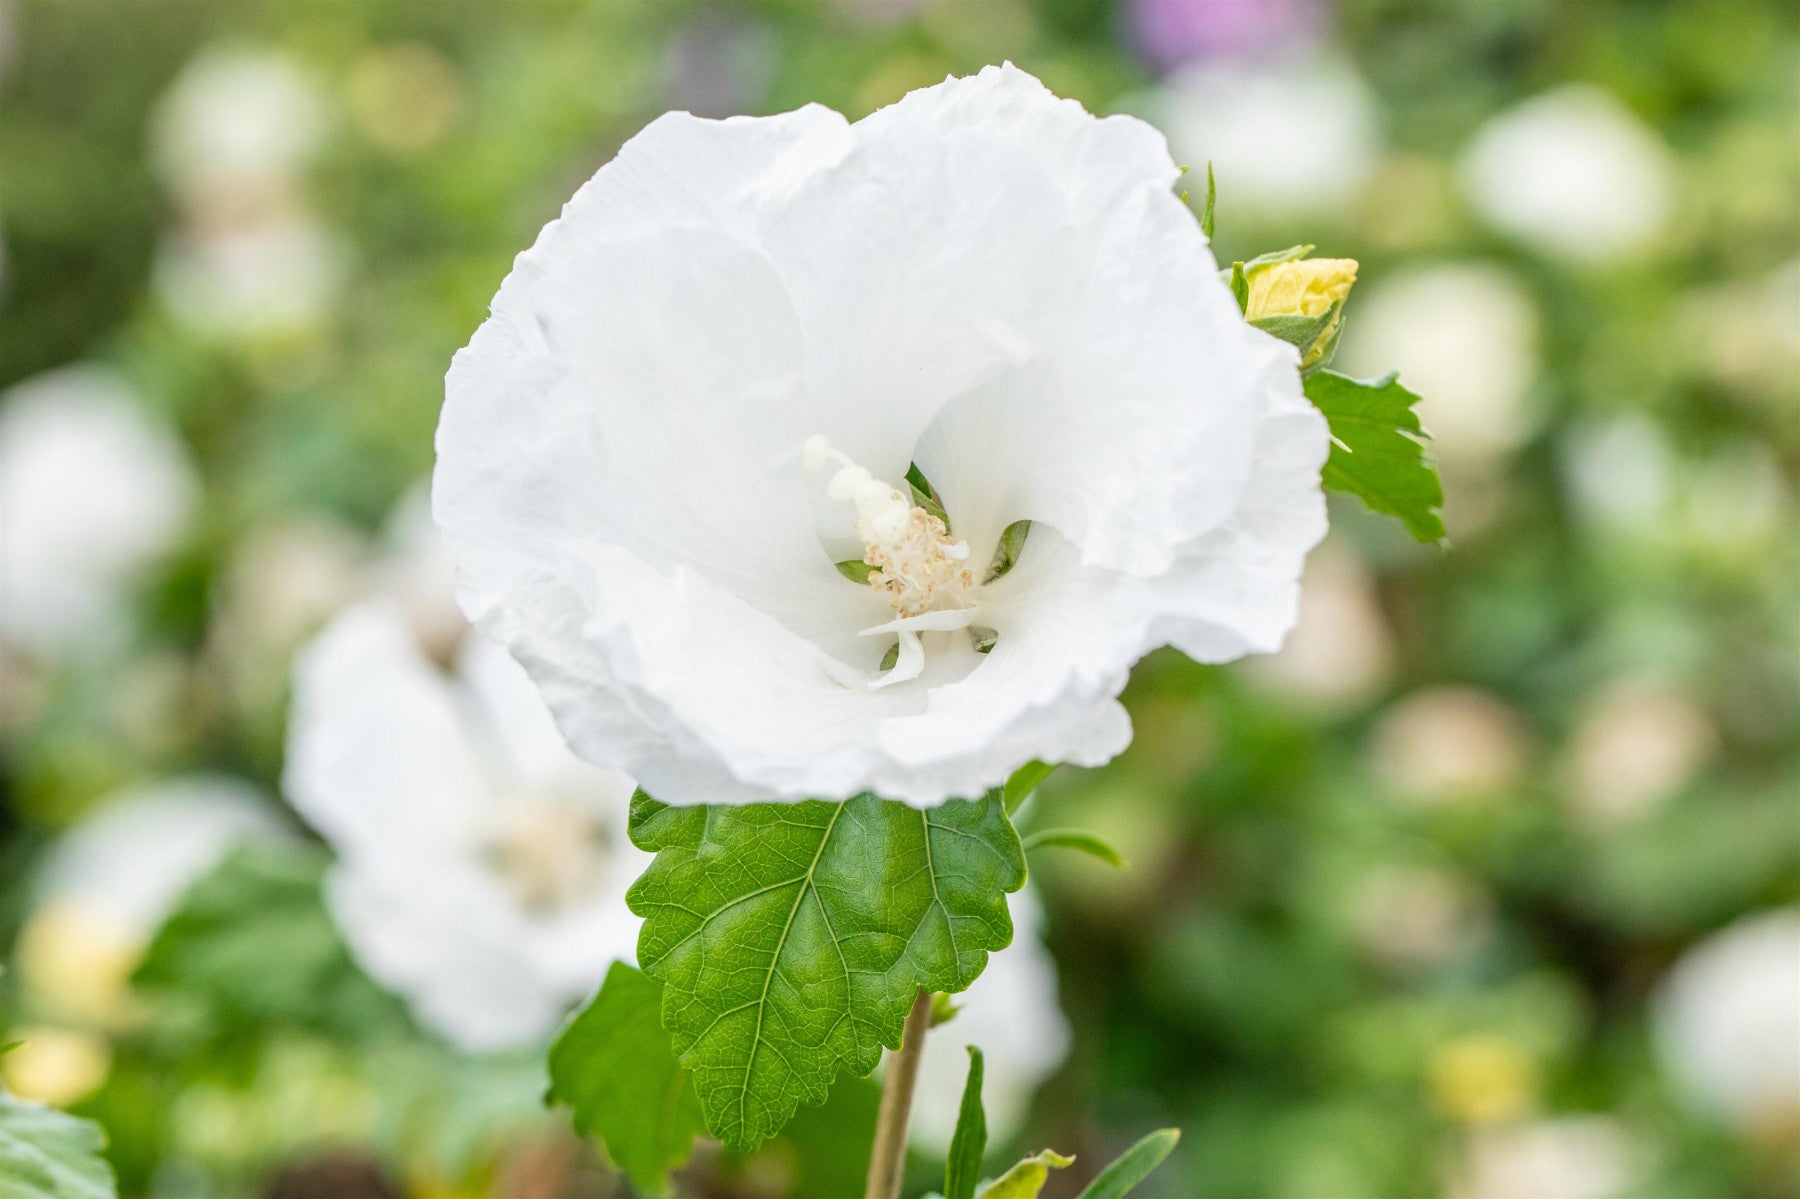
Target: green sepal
[(47, 1154), (925, 495), (1026, 1179), (1379, 452), (962, 1166), (1006, 554), (1074, 838), (1291, 254), (856, 570), (613, 1066), (1240, 286), (1301, 332), (791, 939), (1132, 1166)]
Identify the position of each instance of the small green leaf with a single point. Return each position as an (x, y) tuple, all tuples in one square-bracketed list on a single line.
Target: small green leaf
[(962, 1168), (1025, 1179), (1212, 199), (1012, 544), (1023, 782), (892, 656), (613, 1065), (1132, 1166), (792, 939), (855, 569), (1240, 286), (47, 1154), (1074, 838), (1378, 450), (254, 940)]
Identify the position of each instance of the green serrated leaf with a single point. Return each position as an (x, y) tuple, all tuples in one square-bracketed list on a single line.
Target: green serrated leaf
[(1378, 450), (1026, 1179), (614, 1067), (253, 939), (47, 1154), (1074, 838), (855, 569), (1132, 1166), (792, 939), (1022, 783), (1012, 544), (962, 1167), (1212, 199)]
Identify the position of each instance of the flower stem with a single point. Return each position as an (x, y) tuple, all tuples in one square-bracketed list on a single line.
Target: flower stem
[(888, 1161)]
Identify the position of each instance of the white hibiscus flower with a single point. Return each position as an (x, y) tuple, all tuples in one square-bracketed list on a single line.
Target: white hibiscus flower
[(91, 491), (481, 868), (1012, 1014), (981, 281)]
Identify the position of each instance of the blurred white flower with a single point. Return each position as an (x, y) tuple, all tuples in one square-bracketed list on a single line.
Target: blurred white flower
[(1617, 471), (1573, 173), (1635, 744), (1448, 744), (1292, 138), (1341, 651), (284, 581), (112, 880), (237, 122), (91, 491), (1013, 1015), (1418, 917), (1727, 1023), (1464, 336), (416, 572), (481, 868), (275, 273), (982, 280), (1571, 1157)]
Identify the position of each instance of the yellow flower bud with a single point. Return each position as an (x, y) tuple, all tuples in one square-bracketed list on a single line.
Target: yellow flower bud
[(55, 1065), (1483, 1079), (1298, 289)]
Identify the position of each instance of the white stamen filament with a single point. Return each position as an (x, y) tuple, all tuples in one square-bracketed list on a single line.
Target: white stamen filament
[(920, 569)]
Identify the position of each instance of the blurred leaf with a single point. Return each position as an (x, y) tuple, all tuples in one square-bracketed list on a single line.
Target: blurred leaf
[(254, 940), (614, 1066), (792, 939), (830, 1144), (1132, 1166), (47, 1154), (962, 1166), (1378, 450), (1074, 838), (1212, 199), (1023, 782), (1025, 1179)]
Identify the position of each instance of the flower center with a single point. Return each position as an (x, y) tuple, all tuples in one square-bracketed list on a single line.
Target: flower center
[(909, 557), (550, 852)]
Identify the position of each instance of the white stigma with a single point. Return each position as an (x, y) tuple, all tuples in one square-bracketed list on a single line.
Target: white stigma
[(919, 568)]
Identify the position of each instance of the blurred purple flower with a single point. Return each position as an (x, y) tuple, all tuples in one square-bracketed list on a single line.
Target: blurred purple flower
[(1168, 33)]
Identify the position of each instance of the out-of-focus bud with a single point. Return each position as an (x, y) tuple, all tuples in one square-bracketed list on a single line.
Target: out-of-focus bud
[(1482, 1079), (56, 1066), (1300, 300)]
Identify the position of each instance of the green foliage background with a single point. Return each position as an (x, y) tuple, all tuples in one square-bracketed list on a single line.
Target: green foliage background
[(1225, 984)]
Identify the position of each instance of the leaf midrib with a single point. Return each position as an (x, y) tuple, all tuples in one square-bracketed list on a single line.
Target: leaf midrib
[(762, 1003)]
